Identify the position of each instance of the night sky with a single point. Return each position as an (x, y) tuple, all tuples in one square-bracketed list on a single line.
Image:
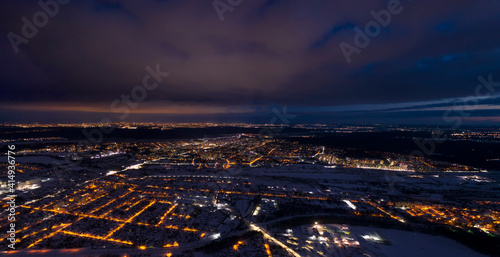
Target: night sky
[(264, 54)]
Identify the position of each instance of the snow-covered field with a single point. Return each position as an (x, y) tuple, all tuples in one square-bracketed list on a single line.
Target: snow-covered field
[(411, 244)]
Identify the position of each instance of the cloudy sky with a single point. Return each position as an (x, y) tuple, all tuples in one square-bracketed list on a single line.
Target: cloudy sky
[(433, 59)]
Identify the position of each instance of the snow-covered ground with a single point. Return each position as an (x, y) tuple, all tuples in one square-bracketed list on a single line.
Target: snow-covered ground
[(411, 244)]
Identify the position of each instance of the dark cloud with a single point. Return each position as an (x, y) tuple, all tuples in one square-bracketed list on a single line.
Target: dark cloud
[(263, 53)]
